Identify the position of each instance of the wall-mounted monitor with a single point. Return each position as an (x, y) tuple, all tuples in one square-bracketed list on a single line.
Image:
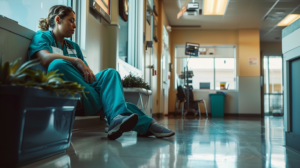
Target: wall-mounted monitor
[(192, 49), (103, 8)]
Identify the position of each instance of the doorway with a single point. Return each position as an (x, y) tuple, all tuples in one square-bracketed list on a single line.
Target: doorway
[(273, 91)]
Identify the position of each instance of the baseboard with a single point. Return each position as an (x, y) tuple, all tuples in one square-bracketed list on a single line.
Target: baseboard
[(227, 115), (244, 115), (157, 115)]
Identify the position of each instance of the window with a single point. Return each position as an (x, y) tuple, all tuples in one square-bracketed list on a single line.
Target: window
[(28, 13), (79, 36), (131, 35), (215, 65)]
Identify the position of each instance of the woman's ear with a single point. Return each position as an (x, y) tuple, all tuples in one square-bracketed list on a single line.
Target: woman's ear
[(57, 20)]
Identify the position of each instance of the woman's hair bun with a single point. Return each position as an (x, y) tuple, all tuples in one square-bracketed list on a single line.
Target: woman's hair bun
[(44, 24)]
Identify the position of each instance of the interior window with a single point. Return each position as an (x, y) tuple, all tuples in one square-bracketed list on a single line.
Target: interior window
[(214, 66)]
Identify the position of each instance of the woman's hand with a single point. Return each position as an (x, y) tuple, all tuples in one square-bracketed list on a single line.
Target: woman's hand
[(85, 70)]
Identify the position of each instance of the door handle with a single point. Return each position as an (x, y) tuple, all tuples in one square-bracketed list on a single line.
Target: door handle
[(150, 66)]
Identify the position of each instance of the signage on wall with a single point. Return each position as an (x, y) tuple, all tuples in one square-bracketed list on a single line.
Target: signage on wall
[(253, 61)]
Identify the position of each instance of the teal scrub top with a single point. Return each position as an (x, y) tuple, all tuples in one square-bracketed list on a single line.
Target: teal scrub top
[(43, 40)]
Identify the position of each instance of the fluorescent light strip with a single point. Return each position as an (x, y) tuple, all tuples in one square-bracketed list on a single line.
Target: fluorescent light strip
[(215, 7), (289, 19)]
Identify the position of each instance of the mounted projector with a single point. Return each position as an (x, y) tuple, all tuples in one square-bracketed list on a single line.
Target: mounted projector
[(192, 8)]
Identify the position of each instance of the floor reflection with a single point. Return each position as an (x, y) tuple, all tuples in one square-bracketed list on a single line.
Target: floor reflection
[(199, 142)]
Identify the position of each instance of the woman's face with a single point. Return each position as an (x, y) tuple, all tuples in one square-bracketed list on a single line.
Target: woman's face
[(67, 25)]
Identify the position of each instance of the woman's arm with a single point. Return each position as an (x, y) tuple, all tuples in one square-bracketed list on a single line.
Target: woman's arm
[(46, 58)]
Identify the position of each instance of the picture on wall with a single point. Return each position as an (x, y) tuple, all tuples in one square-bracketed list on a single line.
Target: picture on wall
[(155, 33), (124, 9), (102, 7)]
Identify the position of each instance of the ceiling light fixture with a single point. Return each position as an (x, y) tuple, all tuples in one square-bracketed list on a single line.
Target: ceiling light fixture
[(289, 19), (215, 7)]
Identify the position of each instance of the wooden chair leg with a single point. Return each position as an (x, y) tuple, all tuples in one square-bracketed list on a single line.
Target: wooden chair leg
[(205, 108)]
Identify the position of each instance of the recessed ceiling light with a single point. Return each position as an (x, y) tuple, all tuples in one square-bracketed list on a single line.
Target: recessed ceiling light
[(280, 12), (215, 7), (289, 20)]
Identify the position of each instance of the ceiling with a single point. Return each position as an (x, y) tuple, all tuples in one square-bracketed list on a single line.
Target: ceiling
[(240, 14)]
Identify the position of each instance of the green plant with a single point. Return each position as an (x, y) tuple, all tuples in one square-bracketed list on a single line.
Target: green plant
[(134, 81), (10, 74)]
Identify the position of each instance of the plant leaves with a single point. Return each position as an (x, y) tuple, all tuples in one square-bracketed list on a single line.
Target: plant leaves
[(15, 65), (28, 63)]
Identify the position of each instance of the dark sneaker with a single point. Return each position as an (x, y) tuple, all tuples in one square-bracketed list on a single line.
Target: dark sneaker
[(121, 124), (159, 131)]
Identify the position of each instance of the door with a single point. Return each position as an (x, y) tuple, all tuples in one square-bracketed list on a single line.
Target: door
[(148, 61), (165, 71), (273, 97), (165, 80)]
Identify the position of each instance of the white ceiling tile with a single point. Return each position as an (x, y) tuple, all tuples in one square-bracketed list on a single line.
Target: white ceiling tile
[(240, 14)]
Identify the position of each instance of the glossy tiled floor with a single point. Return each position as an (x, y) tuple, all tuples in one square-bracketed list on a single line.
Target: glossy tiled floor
[(213, 142)]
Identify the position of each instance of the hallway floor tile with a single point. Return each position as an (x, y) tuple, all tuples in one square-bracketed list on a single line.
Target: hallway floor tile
[(205, 142)]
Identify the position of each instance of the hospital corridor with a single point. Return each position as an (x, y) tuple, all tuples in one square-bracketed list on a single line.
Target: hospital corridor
[(150, 83)]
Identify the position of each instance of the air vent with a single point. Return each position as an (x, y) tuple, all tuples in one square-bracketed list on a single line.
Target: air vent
[(192, 9), (274, 17)]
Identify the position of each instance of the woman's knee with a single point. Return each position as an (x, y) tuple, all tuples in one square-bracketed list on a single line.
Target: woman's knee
[(58, 64), (112, 71)]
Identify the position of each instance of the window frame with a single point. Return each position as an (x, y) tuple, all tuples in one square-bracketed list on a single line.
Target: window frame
[(80, 8), (214, 68), (135, 35)]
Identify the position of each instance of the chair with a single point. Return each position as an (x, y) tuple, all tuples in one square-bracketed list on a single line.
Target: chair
[(192, 103), (180, 98)]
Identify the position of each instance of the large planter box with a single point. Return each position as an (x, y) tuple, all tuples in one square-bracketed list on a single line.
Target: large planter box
[(34, 124), (138, 96)]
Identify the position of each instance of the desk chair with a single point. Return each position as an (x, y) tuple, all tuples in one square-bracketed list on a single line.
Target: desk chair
[(182, 97)]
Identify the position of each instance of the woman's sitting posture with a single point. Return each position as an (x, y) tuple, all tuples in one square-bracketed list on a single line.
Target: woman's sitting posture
[(105, 88)]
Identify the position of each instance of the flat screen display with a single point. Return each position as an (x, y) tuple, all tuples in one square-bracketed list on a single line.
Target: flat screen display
[(192, 49), (104, 5)]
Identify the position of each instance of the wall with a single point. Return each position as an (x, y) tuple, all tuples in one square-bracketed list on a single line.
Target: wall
[(247, 43), (101, 41), (162, 21)]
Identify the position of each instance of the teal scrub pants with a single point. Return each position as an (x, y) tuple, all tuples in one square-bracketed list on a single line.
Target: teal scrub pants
[(106, 93)]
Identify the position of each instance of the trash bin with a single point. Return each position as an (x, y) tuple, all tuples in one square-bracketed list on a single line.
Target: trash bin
[(217, 102)]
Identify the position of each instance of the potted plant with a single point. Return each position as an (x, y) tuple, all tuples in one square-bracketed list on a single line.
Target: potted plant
[(37, 113), (136, 91)]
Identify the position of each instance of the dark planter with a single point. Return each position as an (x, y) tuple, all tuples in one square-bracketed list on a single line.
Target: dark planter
[(34, 124)]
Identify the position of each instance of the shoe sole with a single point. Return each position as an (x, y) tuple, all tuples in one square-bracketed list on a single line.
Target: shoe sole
[(163, 135), (145, 135), (127, 125)]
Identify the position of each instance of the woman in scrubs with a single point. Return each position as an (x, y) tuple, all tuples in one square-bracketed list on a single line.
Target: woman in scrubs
[(105, 88)]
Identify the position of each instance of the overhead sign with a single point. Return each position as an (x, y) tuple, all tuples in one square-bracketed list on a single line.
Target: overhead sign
[(181, 12)]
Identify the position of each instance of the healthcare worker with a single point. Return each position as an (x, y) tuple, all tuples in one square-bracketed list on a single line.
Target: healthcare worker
[(105, 88)]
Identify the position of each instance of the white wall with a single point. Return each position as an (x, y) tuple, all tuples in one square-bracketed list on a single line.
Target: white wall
[(101, 41)]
